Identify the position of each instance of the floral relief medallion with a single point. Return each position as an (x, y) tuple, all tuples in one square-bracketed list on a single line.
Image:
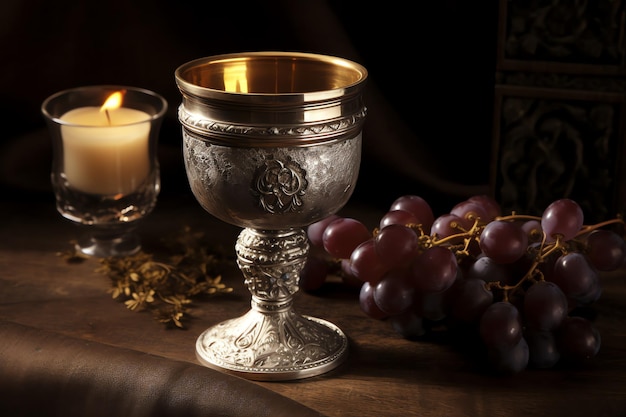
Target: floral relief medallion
[(280, 185)]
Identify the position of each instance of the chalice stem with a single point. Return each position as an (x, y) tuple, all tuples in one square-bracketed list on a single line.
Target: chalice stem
[(272, 341)]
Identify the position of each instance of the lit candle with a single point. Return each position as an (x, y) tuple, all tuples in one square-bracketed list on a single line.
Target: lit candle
[(106, 148)]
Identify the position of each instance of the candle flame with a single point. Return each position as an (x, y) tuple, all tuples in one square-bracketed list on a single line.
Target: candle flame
[(235, 79), (114, 101)]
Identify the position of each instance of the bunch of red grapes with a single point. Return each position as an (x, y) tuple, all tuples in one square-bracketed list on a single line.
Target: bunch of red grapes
[(516, 282)]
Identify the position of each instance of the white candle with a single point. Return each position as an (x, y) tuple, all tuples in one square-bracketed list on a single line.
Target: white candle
[(106, 155)]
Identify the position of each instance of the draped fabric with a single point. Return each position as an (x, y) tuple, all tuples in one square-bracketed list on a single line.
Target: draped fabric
[(48, 374)]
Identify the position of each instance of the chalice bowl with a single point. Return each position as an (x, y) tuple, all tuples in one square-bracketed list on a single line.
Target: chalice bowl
[(271, 144)]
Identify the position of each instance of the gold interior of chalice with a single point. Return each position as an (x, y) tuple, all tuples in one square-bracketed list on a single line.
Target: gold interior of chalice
[(272, 88), (266, 73)]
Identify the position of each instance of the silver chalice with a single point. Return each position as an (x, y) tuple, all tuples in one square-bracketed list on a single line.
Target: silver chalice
[(271, 144)]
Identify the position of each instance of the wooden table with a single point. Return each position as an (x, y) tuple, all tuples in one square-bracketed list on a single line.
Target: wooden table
[(385, 375)]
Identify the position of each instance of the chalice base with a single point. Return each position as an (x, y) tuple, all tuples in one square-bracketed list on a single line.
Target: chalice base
[(273, 346)]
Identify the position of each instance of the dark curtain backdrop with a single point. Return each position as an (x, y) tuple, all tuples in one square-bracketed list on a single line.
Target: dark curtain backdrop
[(430, 89)]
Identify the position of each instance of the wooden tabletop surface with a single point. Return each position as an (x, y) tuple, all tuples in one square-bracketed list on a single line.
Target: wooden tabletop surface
[(384, 375)]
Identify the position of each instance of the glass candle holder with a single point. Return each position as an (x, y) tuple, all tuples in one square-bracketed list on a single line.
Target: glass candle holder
[(105, 172)]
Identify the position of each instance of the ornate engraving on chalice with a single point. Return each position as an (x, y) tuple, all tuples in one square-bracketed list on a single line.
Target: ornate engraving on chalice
[(280, 185), (272, 150)]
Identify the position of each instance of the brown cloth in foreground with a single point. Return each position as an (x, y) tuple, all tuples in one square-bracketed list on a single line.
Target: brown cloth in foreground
[(48, 374)]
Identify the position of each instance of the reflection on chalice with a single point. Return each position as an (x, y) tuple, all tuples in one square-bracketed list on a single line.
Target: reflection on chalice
[(271, 144)]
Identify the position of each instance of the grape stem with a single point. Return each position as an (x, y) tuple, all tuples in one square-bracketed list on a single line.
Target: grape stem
[(473, 234), (544, 251), (590, 228), (515, 216), (466, 235)]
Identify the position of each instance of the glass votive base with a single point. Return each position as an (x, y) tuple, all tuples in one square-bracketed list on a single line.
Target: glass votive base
[(104, 242), (108, 223)]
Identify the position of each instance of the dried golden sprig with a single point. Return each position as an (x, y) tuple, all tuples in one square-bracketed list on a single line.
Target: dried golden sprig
[(166, 287)]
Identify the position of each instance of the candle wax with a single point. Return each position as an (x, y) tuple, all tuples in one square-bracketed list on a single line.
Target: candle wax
[(103, 158)]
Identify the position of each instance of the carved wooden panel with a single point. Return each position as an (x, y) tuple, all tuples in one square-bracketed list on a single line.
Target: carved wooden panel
[(560, 106)]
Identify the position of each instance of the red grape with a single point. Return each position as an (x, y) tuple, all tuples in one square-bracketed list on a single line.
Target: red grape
[(343, 235), (315, 231), (488, 270), (434, 270), (542, 349), (578, 339), (533, 230), (467, 299), (490, 205), (396, 245), (314, 273), (545, 306), (366, 264), (509, 360), (447, 225), (606, 250), (402, 217), (470, 212), (574, 275), (592, 294), (563, 217), (394, 294), (501, 325), (367, 303), (408, 324), (505, 242), (418, 207), (346, 271)]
